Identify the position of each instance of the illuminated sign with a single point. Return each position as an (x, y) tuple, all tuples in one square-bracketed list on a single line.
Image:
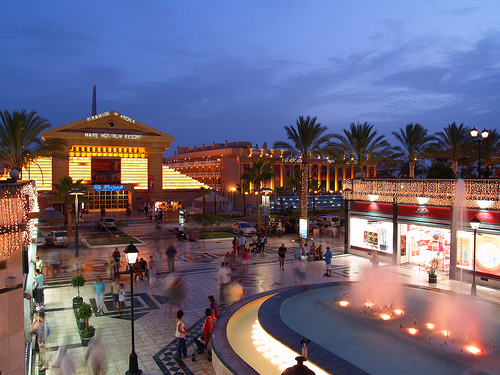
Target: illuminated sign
[(108, 187), (111, 135), (104, 114), (106, 171), (303, 227)]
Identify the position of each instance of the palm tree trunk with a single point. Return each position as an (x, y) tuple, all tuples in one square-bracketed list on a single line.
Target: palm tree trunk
[(303, 191), (411, 164), (258, 210), (455, 166)]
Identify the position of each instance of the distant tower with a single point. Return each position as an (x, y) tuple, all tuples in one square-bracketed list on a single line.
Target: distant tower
[(94, 107)]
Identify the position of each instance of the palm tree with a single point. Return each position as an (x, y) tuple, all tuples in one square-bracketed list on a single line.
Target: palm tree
[(20, 143), (201, 193), (64, 186), (243, 187), (314, 186), (295, 181), (362, 144), (454, 142), (414, 141), (259, 172), (280, 191), (306, 139)]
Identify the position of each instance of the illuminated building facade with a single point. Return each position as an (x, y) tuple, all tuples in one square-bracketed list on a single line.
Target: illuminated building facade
[(418, 221), (222, 164), (118, 159)]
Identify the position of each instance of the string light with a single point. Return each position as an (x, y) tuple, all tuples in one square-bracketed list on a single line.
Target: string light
[(439, 193), (16, 229)]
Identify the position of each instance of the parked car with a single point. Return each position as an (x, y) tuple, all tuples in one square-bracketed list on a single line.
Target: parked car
[(106, 223), (57, 238), (312, 226), (40, 239), (243, 227)]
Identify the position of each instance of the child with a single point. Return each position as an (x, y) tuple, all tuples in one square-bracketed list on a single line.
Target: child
[(121, 298)]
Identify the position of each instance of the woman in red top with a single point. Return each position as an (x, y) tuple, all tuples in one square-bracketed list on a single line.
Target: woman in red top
[(207, 326)]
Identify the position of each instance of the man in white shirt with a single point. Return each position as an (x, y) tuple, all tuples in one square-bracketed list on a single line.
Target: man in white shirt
[(241, 243), (224, 279)]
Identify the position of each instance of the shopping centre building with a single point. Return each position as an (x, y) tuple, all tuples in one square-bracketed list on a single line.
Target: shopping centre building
[(118, 159), (416, 221)]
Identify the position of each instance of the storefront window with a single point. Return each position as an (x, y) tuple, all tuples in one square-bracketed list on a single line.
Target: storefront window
[(488, 252), (371, 235), (424, 243)]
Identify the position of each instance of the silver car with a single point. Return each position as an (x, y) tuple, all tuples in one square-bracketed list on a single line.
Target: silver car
[(243, 227), (57, 238)]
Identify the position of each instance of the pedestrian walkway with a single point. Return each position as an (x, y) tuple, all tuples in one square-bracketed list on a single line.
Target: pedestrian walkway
[(198, 267)]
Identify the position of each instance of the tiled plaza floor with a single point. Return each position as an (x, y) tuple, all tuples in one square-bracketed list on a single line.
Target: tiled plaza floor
[(155, 320)]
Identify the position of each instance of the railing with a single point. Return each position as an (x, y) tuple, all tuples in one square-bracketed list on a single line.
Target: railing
[(479, 194)]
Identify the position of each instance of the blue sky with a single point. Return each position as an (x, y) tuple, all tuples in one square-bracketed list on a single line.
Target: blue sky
[(209, 71)]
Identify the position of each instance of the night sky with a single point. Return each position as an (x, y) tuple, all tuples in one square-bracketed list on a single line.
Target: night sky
[(209, 71)]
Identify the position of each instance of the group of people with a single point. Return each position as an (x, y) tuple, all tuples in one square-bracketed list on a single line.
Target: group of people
[(211, 317), (311, 253)]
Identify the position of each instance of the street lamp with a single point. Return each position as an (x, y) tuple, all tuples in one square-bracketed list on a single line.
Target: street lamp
[(265, 190), (131, 253), (474, 224), (475, 134), (76, 193)]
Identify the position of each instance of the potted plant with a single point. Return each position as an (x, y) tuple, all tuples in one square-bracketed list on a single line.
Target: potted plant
[(129, 210), (103, 211), (84, 313), (86, 334), (77, 282), (432, 271)]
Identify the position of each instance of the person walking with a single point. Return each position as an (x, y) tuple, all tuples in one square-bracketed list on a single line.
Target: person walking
[(38, 289), (224, 279), (180, 333), (153, 272), (99, 287), (328, 262), (214, 307), (262, 242), (234, 292), (171, 253), (96, 353), (121, 298), (279, 229), (115, 290), (281, 256), (116, 256), (241, 243), (207, 327)]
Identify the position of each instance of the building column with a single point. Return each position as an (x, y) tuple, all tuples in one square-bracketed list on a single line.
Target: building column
[(155, 168), (395, 237), (327, 178), (281, 175), (453, 245), (346, 226), (337, 179), (375, 170)]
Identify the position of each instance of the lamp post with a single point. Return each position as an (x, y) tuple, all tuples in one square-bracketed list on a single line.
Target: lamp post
[(265, 190), (76, 193), (474, 224), (475, 134), (131, 253)]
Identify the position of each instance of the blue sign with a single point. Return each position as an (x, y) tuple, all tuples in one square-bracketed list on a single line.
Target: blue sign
[(108, 187)]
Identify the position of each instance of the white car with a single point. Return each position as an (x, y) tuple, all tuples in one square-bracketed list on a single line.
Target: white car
[(40, 239), (243, 227), (57, 238), (106, 223)]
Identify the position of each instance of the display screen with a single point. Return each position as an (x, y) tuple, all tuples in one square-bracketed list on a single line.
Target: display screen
[(487, 249), (106, 171), (303, 228)]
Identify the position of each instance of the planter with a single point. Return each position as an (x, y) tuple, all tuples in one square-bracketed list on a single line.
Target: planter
[(433, 279), (86, 338), (81, 324), (77, 301)]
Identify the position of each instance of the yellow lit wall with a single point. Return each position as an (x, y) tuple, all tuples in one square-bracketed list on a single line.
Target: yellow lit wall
[(121, 152), (173, 179), (80, 168), (135, 171), (41, 171)]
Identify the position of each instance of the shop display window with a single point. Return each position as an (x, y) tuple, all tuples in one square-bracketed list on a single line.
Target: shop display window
[(371, 235), (425, 243), (487, 249)]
